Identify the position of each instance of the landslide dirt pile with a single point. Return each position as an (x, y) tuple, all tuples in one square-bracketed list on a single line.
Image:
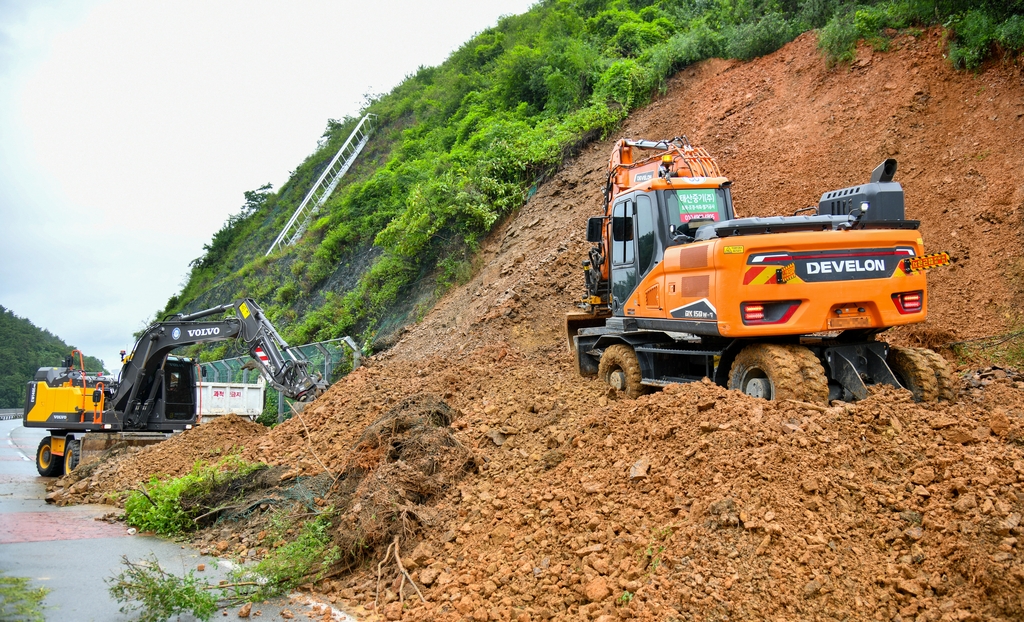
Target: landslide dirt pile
[(695, 503), (125, 468)]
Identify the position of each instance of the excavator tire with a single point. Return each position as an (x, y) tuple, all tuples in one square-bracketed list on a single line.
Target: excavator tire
[(943, 375), (924, 376), (620, 370), (72, 455), (48, 464), (779, 372)]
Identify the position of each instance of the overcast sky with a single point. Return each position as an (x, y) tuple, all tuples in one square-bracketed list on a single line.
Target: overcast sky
[(129, 130)]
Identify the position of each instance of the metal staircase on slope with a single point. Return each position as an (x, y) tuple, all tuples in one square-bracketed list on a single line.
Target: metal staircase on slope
[(326, 184)]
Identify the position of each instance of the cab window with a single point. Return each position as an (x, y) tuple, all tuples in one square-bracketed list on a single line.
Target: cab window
[(622, 234), (645, 233)]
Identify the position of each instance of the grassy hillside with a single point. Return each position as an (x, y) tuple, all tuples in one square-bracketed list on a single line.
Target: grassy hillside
[(462, 145), (24, 348)]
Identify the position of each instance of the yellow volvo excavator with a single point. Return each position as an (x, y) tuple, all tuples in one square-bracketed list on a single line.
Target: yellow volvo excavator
[(155, 392)]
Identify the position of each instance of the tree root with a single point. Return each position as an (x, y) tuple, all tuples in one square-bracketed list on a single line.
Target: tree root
[(401, 568)]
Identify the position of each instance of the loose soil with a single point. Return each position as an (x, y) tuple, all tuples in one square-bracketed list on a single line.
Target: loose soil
[(695, 503)]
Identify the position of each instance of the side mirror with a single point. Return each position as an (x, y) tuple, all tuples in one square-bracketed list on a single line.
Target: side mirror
[(202, 370), (595, 229), (97, 395)]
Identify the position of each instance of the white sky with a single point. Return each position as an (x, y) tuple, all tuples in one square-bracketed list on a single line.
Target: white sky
[(129, 130)]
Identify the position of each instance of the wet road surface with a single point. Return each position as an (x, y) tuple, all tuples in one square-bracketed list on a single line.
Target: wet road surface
[(69, 552)]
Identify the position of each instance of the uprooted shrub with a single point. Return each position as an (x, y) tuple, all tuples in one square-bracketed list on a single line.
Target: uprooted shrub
[(177, 505), (404, 460)]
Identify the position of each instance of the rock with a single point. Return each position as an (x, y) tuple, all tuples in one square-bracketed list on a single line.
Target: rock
[(939, 423), (245, 610), (966, 502), (908, 587), (552, 458), (222, 546), (921, 491), (201, 567), (999, 422), (587, 550), (789, 428), (465, 605), (913, 534), (811, 588), (392, 611), (428, 576), (1007, 524), (498, 437), (958, 436), (640, 469), (287, 614), (500, 533), (597, 590), (421, 554), (923, 476), (707, 427)]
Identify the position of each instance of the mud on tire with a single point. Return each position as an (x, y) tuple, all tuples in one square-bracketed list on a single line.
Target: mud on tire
[(621, 358), (924, 373), (779, 372)]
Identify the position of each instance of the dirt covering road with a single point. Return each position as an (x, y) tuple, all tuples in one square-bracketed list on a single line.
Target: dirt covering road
[(556, 500)]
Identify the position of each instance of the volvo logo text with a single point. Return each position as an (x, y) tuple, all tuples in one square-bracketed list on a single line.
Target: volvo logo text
[(175, 333), (202, 332)]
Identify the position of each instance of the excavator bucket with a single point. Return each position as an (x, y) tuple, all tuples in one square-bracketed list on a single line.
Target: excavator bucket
[(575, 321)]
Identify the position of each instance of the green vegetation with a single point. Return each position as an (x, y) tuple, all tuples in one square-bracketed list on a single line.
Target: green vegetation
[(24, 348), (306, 558), (20, 602), (165, 506), (461, 145), (154, 594)]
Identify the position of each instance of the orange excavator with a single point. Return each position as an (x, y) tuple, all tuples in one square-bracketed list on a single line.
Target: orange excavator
[(678, 288)]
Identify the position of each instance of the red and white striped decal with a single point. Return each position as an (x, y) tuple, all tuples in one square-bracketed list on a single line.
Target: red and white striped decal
[(262, 356)]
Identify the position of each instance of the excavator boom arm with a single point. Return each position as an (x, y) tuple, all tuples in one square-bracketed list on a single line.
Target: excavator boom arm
[(284, 367)]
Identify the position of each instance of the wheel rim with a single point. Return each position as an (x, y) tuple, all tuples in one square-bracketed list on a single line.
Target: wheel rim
[(757, 384), (69, 462), (44, 457), (617, 380)]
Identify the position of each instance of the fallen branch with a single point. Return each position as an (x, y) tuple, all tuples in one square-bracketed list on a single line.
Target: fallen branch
[(145, 493)]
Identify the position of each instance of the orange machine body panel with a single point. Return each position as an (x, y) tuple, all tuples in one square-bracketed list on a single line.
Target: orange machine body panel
[(850, 285)]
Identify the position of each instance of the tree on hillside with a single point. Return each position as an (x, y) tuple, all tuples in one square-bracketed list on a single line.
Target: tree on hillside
[(24, 348)]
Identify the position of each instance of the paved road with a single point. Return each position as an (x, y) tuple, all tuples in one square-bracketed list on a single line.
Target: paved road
[(69, 552)]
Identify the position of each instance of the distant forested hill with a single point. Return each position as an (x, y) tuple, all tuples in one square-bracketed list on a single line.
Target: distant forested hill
[(462, 145), (24, 348)]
